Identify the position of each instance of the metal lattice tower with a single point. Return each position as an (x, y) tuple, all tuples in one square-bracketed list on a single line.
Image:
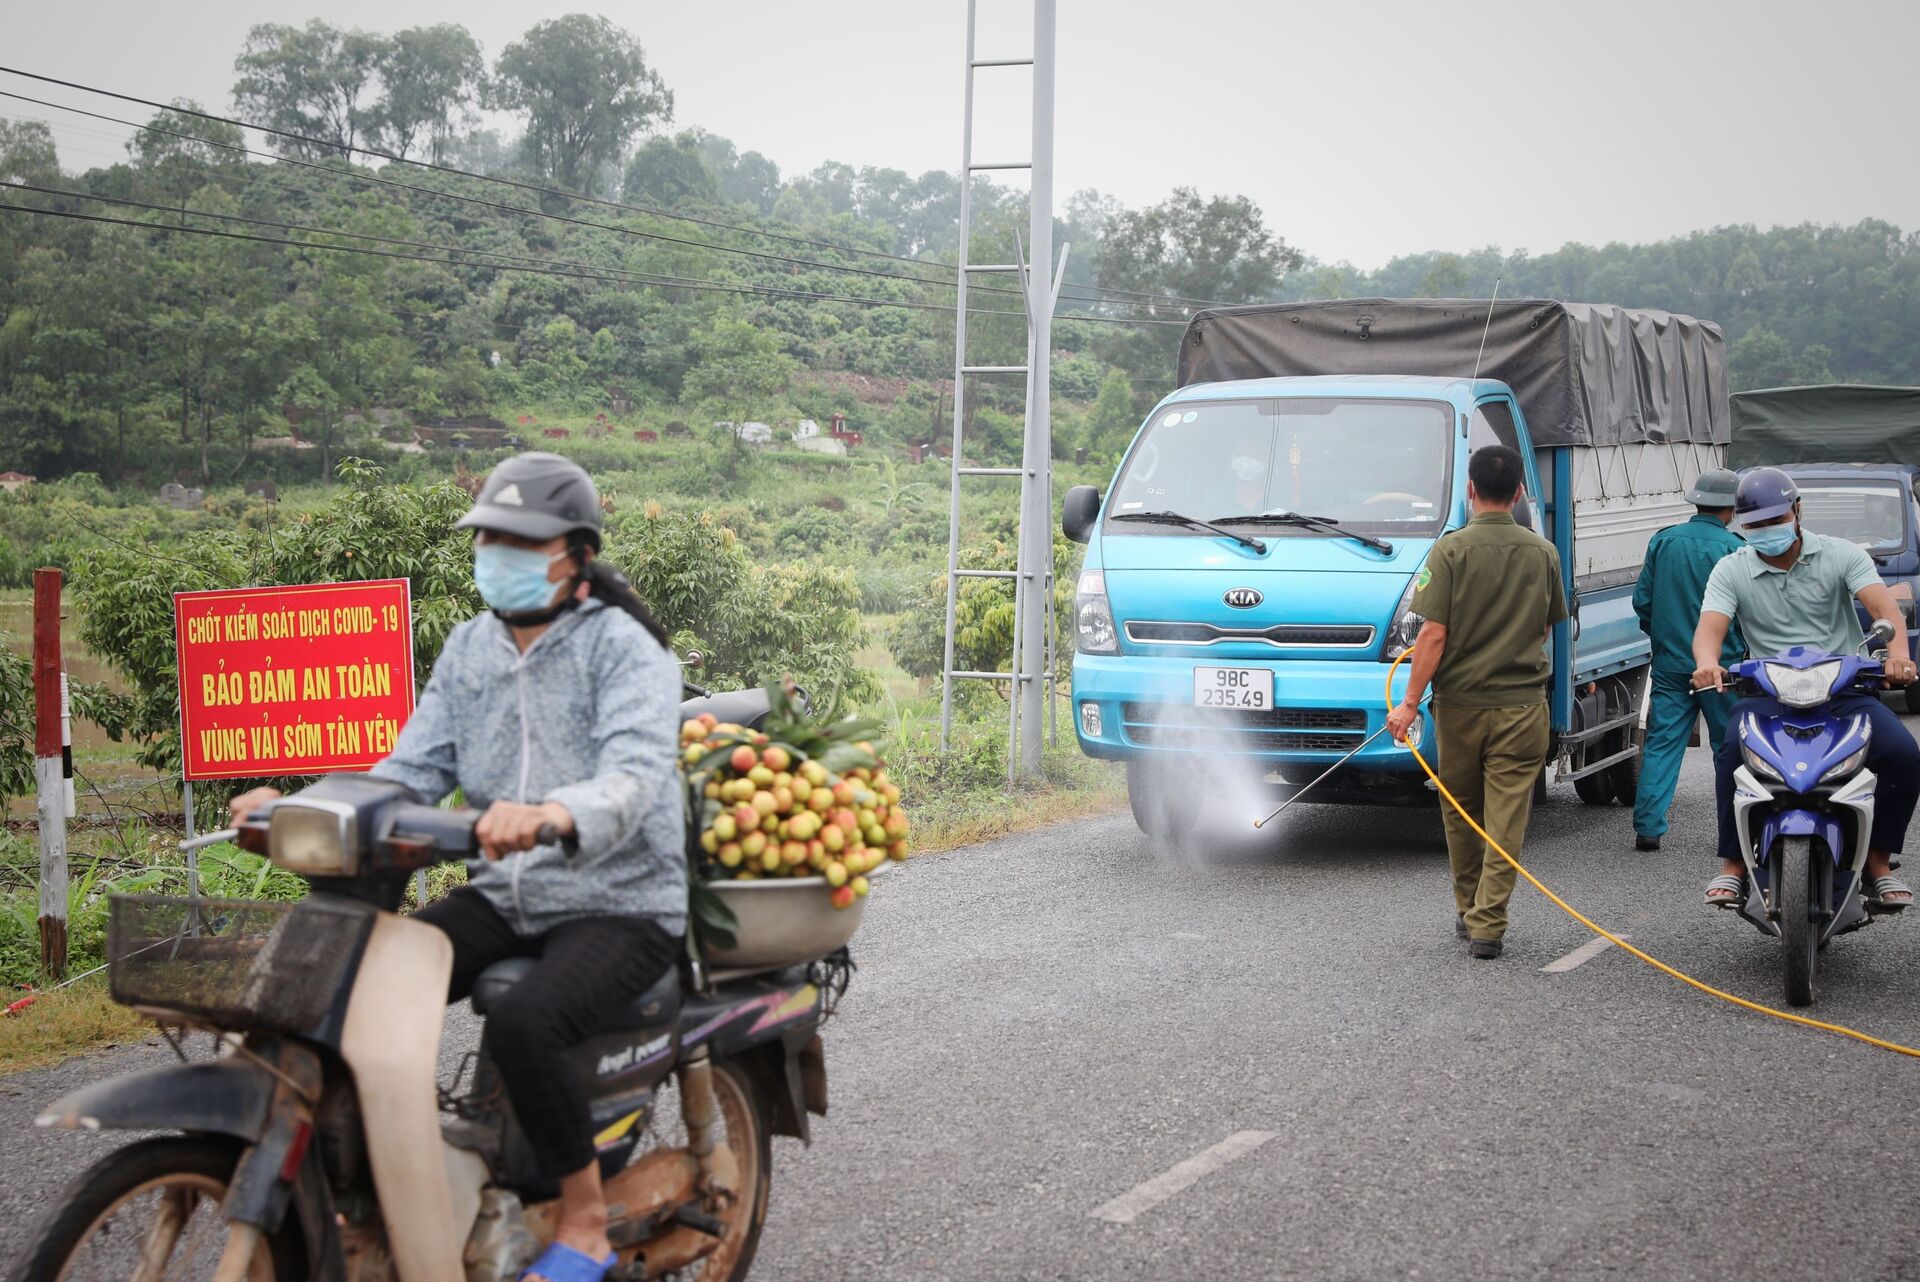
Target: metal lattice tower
[(1030, 675)]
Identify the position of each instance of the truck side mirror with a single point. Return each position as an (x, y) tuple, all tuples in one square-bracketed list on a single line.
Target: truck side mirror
[(1078, 511), (1523, 511)]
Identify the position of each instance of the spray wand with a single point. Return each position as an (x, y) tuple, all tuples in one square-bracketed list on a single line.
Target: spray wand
[(1413, 737)]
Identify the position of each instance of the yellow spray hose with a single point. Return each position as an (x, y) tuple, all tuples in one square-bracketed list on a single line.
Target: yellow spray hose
[(1616, 940)]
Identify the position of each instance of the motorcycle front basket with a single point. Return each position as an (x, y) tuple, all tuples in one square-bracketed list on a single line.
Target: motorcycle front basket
[(233, 964)]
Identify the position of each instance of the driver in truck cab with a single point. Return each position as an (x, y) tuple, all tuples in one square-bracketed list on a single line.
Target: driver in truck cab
[(1789, 587), (558, 709)]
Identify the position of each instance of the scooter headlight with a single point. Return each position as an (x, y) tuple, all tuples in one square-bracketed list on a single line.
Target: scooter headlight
[(1749, 731), (1093, 629), (1760, 765), (1841, 769), (1803, 687), (314, 840)]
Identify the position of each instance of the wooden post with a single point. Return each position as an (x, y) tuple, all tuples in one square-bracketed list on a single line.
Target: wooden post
[(49, 774)]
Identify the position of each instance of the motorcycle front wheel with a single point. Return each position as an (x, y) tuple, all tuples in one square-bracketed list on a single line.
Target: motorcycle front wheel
[(151, 1211), (1799, 928)]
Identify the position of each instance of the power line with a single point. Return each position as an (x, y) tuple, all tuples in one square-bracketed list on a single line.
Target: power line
[(351, 176), (329, 145), (657, 281)]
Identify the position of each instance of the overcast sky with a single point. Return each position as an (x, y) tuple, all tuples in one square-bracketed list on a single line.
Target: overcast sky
[(1364, 130)]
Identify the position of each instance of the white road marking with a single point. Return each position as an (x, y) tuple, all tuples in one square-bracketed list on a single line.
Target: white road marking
[(1144, 1197), (1581, 955)]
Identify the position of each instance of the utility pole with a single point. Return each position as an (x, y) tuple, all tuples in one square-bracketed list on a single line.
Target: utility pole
[(1029, 675), (1035, 584), (50, 771)]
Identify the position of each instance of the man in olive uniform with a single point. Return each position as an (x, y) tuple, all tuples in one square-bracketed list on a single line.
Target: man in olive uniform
[(1490, 595), (1673, 578)]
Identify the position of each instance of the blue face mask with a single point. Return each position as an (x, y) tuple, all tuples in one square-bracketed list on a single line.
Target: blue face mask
[(513, 580), (1772, 540)]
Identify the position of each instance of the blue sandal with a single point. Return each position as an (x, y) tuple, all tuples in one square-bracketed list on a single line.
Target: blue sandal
[(561, 1263)]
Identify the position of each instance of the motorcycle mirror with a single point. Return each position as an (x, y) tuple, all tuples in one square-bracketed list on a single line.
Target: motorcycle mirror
[(1881, 633), (694, 659)]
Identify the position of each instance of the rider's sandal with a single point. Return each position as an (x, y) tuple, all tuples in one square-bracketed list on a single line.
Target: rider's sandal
[(561, 1263), (1734, 888), (1881, 887)]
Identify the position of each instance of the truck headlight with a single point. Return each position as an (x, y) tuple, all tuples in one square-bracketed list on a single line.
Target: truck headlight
[(1093, 629), (314, 840), (1405, 628)]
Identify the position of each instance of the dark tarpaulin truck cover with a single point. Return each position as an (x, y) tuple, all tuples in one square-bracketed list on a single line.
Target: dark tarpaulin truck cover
[(1584, 373), (1831, 423)]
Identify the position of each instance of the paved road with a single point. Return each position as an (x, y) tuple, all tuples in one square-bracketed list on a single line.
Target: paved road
[(1043, 1024)]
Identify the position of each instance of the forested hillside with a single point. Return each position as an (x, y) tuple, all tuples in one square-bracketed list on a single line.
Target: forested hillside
[(169, 302)]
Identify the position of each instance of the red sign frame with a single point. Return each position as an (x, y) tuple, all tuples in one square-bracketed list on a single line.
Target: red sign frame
[(303, 679)]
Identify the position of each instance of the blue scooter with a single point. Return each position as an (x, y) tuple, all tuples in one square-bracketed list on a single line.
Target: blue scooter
[(1803, 800)]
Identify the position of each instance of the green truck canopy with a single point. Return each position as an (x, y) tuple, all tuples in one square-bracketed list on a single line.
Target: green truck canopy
[(1831, 423)]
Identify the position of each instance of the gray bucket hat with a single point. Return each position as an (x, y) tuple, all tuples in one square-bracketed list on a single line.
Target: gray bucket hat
[(536, 496), (1715, 488)]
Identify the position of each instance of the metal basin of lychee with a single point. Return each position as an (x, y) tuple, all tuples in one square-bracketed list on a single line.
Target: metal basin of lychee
[(784, 921)]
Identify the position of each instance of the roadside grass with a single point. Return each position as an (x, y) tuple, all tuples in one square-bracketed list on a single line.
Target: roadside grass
[(68, 1022)]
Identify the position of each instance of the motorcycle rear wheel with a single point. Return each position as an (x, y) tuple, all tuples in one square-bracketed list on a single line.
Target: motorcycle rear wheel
[(744, 1130), (141, 1191), (1799, 930)]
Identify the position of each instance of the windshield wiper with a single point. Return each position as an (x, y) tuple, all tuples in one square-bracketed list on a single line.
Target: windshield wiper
[(1317, 522), (1194, 522)]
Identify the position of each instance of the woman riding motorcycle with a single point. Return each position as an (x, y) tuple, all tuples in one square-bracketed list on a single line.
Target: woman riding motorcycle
[(558, 709)]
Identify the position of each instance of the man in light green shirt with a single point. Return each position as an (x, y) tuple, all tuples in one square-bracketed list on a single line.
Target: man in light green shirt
[(1791, 587)]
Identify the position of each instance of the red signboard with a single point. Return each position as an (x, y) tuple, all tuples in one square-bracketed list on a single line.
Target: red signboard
[(300, 680)]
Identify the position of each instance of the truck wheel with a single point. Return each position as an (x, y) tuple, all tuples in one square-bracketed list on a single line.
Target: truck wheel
[(1623, 777), (1162, 807), (1593, 790)]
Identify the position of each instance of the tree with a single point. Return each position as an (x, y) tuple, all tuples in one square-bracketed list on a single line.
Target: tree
[(741, 369), (428, 77), (671, 172), (310, 80), (1217, 249), (584, 88), (178, 153), (1113, 420)]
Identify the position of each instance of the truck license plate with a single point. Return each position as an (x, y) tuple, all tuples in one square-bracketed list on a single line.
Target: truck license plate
[(1240, 688)]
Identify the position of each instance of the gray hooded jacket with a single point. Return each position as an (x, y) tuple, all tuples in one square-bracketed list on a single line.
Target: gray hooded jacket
[(587, 717)]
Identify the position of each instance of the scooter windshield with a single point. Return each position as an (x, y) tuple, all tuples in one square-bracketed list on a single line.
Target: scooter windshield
[(1375, 465)]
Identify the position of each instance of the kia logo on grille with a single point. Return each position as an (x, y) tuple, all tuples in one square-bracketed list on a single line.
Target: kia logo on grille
[(1243, 598)]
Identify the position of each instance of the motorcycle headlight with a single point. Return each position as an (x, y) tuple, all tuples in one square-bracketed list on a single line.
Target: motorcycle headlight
[(1405, 628), (1848, 765), (1760, 765), (311, 839), (1749, 730), (1093, 629), (1803, 687)]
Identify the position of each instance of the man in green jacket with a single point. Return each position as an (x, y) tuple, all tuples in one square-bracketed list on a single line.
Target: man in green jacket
[(1490, 594), (1667, 598)]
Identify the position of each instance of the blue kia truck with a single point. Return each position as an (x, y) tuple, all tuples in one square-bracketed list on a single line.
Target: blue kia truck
[(1854, 451), (1249, 571)]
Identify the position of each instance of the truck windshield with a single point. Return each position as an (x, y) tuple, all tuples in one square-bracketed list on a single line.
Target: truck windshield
[(1864, 514), (1381, 466)]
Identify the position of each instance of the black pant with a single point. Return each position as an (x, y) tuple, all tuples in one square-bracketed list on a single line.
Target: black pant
[(587, 970), (1892, 755)]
